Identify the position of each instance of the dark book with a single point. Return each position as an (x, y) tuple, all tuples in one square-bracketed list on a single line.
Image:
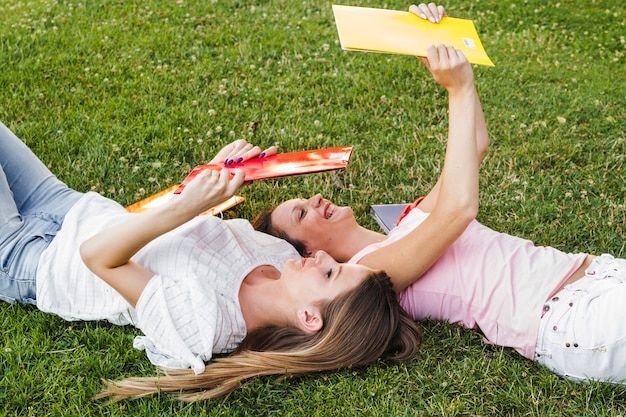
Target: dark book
[(386, 215)]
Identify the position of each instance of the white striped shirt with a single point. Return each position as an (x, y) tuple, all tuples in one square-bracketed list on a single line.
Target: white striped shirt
[(189, 309)]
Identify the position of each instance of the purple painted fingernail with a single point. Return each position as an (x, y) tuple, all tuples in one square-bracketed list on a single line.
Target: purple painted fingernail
[(262, 154), (226, 161), (230, 161), (239, 159)]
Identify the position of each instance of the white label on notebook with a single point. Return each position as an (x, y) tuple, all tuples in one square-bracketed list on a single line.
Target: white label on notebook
[(469, 43)]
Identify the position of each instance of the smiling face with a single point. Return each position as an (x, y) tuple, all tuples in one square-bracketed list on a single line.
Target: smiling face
[(316, 222)]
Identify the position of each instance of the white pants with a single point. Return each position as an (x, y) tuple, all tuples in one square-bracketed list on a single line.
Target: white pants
[(582, 334)]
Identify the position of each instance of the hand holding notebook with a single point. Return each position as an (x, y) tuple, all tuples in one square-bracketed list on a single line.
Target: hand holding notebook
[(389, 31), (281, 165), (275, 165)]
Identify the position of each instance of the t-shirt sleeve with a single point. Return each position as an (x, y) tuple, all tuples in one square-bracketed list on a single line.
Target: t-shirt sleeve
[(178, 318)]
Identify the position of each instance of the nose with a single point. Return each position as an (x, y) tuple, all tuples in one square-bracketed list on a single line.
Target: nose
[(321, 257), (316, 200)]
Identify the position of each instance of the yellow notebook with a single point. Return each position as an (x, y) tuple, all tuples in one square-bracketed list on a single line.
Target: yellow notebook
[(163, 197), (390, 31)]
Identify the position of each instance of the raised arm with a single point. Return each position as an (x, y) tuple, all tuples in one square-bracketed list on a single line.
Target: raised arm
[(457, 202), (108, 254), (482, 142), (434, 14)]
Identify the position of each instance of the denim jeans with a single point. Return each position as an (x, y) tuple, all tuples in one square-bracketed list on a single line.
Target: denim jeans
[(582, 335), (33, 204)]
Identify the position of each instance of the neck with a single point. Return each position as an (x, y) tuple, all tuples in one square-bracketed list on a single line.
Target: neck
[(354, 242), (260, 299)]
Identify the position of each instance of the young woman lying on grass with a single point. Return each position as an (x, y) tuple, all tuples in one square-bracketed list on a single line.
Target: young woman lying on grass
[(553, 307), (195, 286)]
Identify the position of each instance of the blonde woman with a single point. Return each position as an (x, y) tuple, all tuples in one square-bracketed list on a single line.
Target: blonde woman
[(194, 285)]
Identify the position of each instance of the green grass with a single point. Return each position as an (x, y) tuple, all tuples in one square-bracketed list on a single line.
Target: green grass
[(116, 97)]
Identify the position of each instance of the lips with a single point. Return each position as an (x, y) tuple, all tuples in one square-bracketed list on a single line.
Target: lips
[(328, 211)]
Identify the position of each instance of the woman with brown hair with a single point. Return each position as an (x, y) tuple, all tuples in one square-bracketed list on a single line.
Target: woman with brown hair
[(550, 306), (194, 285)]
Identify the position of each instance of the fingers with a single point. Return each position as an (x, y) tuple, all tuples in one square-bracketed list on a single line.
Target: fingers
[(236, 179), (450, 68), (444, 56), (224, 183), (430, 12), (432, 55), (205, 180), (272, 150), (242, 152), (239, 151), (209, 188), (248, 151), (225, 180), (224, 152)]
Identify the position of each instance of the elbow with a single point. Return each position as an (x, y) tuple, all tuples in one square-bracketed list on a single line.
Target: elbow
[(461, 219), (467, 212), (470, 211), (482, 143), (459, 216), (482, 150), (87, 254), (469, 206)]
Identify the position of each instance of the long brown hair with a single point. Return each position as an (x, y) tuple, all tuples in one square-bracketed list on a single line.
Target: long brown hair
[(360, 326)]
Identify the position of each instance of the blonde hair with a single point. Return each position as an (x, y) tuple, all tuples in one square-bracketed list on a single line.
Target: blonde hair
[(360, 326)]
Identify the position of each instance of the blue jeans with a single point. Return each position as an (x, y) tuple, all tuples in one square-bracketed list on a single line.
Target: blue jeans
[(33, 204)]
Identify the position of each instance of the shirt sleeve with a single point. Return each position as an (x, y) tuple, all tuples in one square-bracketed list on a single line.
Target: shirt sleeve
[(178, 318)]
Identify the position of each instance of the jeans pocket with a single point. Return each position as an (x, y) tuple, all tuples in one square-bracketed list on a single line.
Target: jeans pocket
[(19, 257), (19, 269)]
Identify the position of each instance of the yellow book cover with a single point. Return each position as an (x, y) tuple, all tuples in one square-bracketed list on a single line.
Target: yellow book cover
[(163, 197), (390, 31)]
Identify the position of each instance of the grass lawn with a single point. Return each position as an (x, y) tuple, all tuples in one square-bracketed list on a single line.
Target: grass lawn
[(125, 97)]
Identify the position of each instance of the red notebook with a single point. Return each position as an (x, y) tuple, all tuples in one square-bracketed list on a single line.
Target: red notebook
[(284, 164)]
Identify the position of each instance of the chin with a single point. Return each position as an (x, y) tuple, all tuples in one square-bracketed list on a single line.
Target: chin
[(343, 216), (342, 213)]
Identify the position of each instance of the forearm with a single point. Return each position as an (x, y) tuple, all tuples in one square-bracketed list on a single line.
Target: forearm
[(459, 178), (108, 254), (115, 246), (482, 134)]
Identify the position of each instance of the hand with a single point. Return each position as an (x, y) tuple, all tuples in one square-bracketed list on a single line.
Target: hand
[(209, 188), (239, 151), (449, 67), (430, 12)]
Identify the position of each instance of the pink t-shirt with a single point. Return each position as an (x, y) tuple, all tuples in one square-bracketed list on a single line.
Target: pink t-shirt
[(486, 279)]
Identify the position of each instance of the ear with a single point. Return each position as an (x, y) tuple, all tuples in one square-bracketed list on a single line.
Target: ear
[(310, 320)]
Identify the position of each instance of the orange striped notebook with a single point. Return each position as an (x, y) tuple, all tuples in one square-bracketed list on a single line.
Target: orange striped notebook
[(163, 197)]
